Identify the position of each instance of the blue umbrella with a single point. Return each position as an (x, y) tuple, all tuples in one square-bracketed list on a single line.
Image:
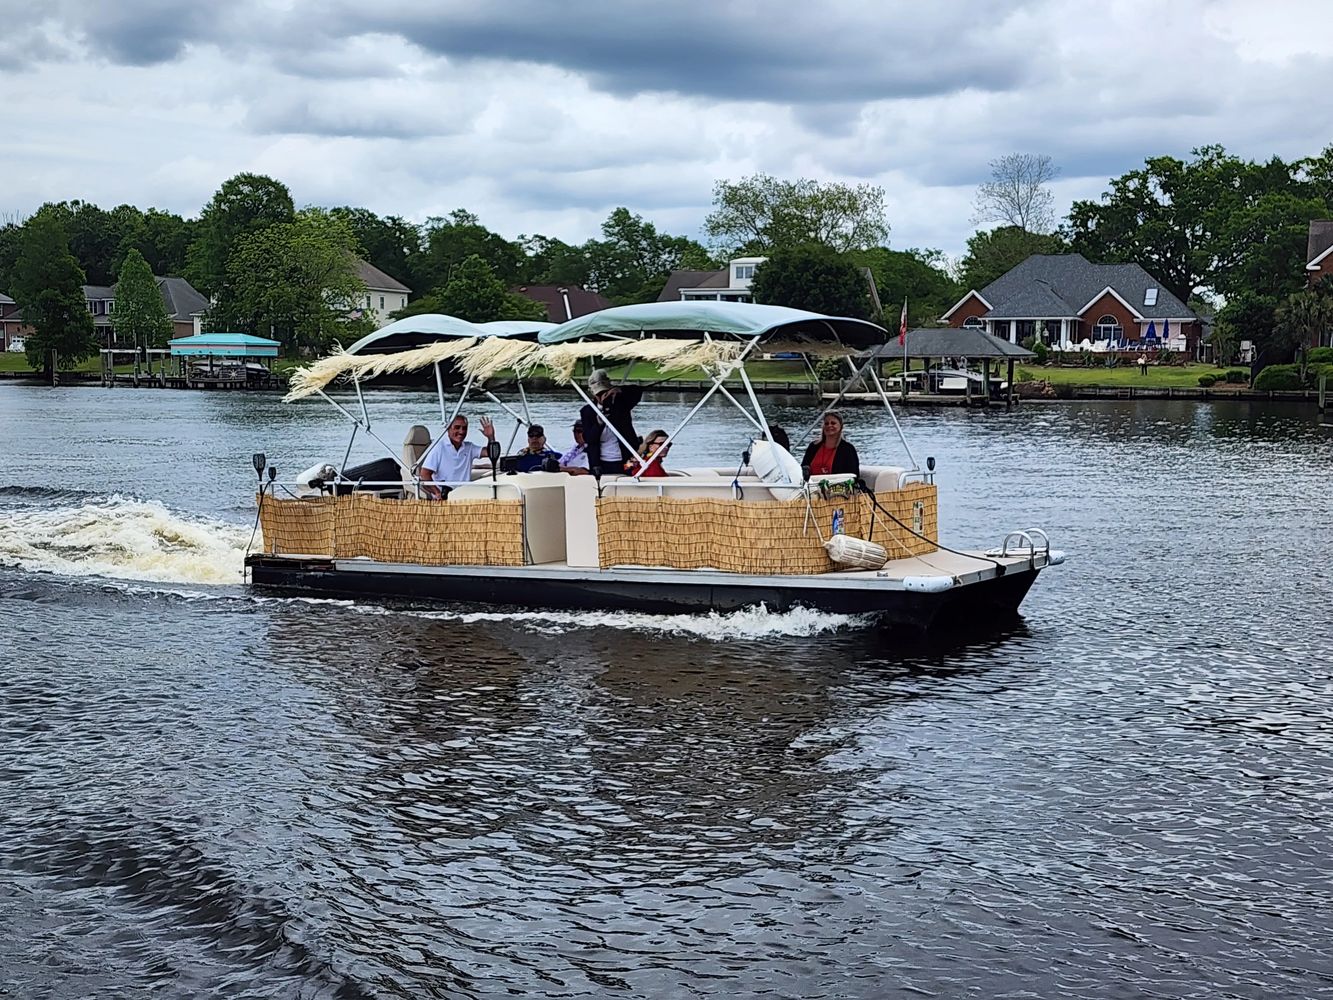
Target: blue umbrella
[(1152, 330)]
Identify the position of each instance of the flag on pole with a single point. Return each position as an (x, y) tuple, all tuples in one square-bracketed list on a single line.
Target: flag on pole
[(902, 326)]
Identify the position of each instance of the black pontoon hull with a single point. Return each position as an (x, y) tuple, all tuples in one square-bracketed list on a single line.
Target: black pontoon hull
[(993, 598)]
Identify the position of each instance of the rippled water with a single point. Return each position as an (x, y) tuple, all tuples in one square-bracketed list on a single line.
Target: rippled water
[(1125, 795)]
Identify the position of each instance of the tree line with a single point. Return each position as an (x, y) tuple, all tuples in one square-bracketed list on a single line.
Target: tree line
[(1221, 232)]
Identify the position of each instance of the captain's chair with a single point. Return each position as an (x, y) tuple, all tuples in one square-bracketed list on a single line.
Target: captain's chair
[(414, 450)]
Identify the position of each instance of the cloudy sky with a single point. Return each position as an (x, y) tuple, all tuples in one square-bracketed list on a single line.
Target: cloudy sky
[(542, 116)]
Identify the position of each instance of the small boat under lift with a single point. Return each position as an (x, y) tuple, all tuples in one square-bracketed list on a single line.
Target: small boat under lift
[(699, 539)]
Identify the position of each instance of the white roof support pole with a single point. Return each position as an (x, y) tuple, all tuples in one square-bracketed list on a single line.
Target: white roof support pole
[(357, 420), (723, 372), (874, 377), (439, 391), (462, 398), (754, 401), (842, 391)]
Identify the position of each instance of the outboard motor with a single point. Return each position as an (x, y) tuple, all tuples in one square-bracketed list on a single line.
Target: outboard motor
[(311, 481)]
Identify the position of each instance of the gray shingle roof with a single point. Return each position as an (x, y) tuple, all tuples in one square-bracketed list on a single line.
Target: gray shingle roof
[(1057, 286), (693, 279), (181, 299), (374, 278), (1321, 238), (948, 342)]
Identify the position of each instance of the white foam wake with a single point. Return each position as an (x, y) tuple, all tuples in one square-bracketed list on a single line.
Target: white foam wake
[(122, 538), (748, 623)]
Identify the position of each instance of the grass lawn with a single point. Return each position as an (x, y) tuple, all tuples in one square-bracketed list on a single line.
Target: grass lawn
[(18, 362), (1173, 376)]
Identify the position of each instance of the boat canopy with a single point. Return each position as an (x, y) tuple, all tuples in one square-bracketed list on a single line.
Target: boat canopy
[(224, 345), (516, 327), (418, 331), (780, 327), (675, 336)]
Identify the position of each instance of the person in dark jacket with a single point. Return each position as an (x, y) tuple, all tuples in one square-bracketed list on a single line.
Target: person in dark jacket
[(614, 405), (830, 454)]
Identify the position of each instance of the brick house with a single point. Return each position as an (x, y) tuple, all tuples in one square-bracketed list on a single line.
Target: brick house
[(1319, 252), (1065, 299), (185, 308)]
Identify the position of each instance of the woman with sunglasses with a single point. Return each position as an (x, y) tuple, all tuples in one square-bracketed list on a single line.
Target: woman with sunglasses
[(655, 448)]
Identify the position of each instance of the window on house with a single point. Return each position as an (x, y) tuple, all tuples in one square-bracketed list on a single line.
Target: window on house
[(744, 271), (973, 323), (1108, 328), (1150, 297), (381, 301)]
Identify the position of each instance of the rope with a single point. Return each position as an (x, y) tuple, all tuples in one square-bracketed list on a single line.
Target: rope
[(1000, 568)]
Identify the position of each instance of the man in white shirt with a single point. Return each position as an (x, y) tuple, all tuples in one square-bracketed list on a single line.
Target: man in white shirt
[(450, 458)]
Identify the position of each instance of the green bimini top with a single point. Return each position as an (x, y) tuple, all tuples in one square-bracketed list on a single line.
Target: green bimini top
[(792, 327)]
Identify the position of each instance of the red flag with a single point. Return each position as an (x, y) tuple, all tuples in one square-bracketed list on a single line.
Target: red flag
[(902, 326)]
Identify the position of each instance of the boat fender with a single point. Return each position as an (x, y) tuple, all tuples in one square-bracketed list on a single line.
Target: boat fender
[(857, 552), (774, 464), (1055, 557), (927, 584)]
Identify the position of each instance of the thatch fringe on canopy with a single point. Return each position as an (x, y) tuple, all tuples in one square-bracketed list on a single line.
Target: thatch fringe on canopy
[(493, 355), (311, 379), (484, 357)]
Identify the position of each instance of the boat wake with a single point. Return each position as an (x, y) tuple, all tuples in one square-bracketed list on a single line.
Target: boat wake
[(141, 546), (121, 538)]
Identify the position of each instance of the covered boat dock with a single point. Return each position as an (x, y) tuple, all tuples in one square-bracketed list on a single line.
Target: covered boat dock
[(957, 350), (233, 361)]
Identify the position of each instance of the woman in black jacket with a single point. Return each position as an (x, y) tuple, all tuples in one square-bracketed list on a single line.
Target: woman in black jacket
[(831, 455)]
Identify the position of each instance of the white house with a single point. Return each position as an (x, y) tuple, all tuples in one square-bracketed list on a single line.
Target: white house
[(383, 293)]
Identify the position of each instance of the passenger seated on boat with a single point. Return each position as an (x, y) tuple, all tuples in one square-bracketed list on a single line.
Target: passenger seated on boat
[(450, 458), (779, 437), (536, 454), (654, 450), (614, 405), (575, 461), (830, 453)]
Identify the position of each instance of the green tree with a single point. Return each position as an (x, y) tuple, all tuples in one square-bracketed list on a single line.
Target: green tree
[(990, 254), (918, 277), (762, 214), (1205, 223), (390, 243), (141, 315), (1303, 320), (814, 278), (48, 284), (475, 294), (549, 261), (632, 256), (296, 282), (162, 238), (450, 241), (242, 206)]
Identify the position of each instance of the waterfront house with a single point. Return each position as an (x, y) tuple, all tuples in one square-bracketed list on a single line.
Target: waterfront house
[(10, 323), (1319, 251), (185, 308), (384, 293), (727, 284), (1066, 300), (564, 302)]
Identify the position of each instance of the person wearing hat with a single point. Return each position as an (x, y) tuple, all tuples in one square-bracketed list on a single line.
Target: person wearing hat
[(534, 456), (575, 461), (614, 405)]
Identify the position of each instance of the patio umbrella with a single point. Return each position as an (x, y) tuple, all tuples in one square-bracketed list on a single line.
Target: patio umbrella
[(1152, 331)]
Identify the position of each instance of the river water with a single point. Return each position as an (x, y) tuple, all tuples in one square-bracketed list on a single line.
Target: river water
[(1126, 794)]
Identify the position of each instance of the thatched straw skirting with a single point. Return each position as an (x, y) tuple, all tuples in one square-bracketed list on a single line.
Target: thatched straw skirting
[(759, 537), (428, 532)]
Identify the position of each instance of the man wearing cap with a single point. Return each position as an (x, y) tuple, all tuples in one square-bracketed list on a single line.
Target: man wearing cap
[(450, 458), (614, 406), (534, 456), (575, 461)]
